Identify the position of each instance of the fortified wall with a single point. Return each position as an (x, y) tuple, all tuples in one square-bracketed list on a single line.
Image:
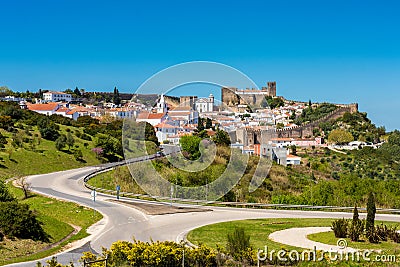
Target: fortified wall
[(232, 96), (248, 136)]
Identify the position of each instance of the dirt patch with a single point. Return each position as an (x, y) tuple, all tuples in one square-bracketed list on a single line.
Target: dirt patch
[(158, 209)]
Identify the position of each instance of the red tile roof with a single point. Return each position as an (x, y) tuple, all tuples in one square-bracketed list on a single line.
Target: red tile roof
[(43, 107), (151, 116)]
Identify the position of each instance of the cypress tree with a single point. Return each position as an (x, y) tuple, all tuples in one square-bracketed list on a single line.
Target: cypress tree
[(370, 222), (355, 214)]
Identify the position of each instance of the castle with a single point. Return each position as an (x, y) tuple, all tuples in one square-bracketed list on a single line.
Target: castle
[(232, 96)]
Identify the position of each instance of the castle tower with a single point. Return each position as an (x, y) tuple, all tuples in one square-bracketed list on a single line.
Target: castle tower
[(271, 89)]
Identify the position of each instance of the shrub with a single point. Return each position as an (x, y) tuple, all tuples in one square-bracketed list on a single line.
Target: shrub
[(355, 230), (356, 227), (155, 254), (339, 228), (393, 234), (86, 137), (78, 154), (5, 195), (382, 232), (16, 220), (238, 243), (372, 236), (61, 142)]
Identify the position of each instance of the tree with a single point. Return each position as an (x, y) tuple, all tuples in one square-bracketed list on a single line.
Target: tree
[(280, 125), (339, 136), (370, 222), (5, 121), (274, 102), (208, 123), (355, 214), (221, 138), (111, 146), (98, 151), (190, 144), (69, 141), (3, 141), (86, 121), (48, 130), (5, 91), (200, 125), (77, 92), (61, 142), (294, 149), (150, 134), (5, 195), (116, 98), (16, 220), (24, 185)]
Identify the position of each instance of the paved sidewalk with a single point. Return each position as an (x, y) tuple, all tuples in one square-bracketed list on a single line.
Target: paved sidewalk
[(297, 237)]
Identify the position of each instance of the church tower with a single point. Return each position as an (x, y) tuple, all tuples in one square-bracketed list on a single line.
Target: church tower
[(161, 105)]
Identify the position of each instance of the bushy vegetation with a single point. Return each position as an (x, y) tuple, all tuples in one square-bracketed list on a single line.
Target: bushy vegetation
[(273, 102), (157, 254), (339, 228), (310, 114), (17, 220), (238, 244)]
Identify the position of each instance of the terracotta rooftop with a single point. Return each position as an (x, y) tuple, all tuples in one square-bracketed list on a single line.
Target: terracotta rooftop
[(43, 107), (164, 125), (151, 116)]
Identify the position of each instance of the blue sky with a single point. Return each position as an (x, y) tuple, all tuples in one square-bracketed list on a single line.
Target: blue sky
[(339, 51)]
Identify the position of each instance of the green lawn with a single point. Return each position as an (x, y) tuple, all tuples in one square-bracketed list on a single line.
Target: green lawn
[(57, 217), (258, 229)]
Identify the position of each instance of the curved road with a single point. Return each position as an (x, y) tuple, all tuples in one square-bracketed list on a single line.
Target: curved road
[(121, 222)]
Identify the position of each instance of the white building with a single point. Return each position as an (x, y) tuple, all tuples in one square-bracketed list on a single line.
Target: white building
[(161, 105), (164, 130), (293, 160), (46, 109), (120, 113), (204, 105), (56, 97), (184, 115)]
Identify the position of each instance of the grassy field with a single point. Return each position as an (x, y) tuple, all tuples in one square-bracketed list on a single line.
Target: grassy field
[(258, 229), (58, 218), (44, 157)]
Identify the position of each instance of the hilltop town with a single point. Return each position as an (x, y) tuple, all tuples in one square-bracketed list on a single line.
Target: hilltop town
[(258, 121)]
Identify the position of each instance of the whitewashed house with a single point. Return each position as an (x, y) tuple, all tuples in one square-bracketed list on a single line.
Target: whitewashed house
[(56, 97)]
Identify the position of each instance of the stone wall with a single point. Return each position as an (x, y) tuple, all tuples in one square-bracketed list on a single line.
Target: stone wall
[(303, 131)]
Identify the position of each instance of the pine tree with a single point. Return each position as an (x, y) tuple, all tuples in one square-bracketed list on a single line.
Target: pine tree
[(77, 92)]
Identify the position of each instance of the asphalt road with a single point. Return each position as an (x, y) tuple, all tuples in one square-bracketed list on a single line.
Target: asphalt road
[(125, 223)]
